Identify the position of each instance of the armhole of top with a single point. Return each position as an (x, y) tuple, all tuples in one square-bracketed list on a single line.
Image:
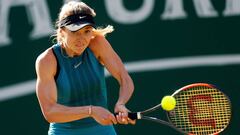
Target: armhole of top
[(58, 66), (92, 53)]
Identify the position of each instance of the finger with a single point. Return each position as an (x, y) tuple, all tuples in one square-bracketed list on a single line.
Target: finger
[(124, 118), (125, 114), (113, 119), (133, 122), (120, 118)]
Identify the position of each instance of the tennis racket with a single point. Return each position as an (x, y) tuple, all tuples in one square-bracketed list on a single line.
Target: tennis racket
[(201, 109)]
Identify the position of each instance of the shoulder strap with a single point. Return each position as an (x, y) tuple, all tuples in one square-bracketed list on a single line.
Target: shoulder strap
[(54, 50)]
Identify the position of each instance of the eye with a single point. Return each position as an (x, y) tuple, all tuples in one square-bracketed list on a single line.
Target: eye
[(87, 31), (73, 32)]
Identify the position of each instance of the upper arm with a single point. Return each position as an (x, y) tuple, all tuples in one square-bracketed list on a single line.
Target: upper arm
[(45, 87), (105, 53)]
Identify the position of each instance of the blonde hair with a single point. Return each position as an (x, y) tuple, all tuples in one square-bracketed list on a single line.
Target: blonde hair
[(75, 7)]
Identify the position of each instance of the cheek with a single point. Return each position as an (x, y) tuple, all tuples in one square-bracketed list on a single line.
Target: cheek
[(71, 38), (70, 41)]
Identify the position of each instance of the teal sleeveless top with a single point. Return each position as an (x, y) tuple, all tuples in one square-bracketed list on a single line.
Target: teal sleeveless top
[(80, 81)]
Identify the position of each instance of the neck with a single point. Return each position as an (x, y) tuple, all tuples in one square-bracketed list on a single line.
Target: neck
[(66, 52)]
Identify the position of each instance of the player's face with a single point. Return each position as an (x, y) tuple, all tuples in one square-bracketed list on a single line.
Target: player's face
[(77, 42)]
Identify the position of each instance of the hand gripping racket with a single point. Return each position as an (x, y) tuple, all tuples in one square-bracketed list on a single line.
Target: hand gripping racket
[(201, 109)]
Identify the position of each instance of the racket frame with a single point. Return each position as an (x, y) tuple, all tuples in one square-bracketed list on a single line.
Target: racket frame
[(206, 85), (141, 114)]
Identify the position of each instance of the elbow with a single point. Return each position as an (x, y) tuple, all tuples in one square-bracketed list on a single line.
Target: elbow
[(129, 83), (48, 117)]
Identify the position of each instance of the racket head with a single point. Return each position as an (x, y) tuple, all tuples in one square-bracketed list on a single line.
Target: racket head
[(201, 109)]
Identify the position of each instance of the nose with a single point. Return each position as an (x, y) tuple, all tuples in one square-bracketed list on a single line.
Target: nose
[(84, 40)]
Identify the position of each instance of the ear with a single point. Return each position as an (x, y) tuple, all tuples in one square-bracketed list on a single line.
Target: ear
[(93, 37)]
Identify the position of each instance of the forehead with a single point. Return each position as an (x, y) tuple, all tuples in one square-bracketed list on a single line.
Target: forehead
[(86, 28)]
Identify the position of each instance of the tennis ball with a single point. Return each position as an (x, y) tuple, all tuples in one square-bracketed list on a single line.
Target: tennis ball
[(168, 103)]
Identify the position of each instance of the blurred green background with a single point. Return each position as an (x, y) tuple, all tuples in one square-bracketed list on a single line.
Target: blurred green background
[(165, 44)]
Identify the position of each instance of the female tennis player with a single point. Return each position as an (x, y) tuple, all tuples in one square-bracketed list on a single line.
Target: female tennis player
[(71, 87)]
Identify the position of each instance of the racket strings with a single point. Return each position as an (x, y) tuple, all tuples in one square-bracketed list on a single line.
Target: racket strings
[(201, 110)]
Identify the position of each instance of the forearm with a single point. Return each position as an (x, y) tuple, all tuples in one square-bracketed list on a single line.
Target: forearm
[(126, 90), (59, 113)]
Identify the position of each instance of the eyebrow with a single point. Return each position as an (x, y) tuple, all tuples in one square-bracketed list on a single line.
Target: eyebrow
[(88, 27)]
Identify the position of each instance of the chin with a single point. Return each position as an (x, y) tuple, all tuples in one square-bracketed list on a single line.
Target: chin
[(80, 50)]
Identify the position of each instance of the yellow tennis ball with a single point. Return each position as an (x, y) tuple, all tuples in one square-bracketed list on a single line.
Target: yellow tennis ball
[(168, 103)]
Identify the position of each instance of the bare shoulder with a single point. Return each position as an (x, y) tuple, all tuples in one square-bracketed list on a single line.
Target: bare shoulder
[(99, 45), (46, 61), (97, 41), (46, 57)]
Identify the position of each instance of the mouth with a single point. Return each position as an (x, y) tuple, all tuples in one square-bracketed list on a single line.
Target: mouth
[(80, 45)]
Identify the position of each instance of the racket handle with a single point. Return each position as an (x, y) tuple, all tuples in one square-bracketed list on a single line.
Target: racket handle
[(131, 115)]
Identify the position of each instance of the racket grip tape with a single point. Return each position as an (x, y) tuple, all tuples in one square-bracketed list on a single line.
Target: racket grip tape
[(131, 115)]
